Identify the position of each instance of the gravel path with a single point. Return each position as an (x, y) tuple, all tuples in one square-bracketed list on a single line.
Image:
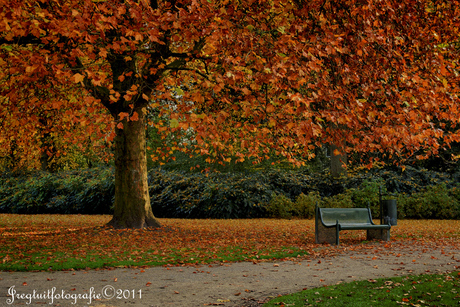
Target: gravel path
[(233, 284)]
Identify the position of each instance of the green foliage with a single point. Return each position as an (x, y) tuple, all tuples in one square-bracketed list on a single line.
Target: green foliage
[(368, 195), (213, 195), (368, 192), (344, 200), (455, 192), (434, 202), (411, 180), (276, 193), (304, 205), (280, 206), (87, 191)]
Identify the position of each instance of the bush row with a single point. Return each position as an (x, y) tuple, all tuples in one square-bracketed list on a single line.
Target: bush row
[(89, 191), (433, 202), (275, 193)]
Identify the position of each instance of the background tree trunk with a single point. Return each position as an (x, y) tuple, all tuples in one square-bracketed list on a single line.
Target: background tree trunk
[(132, 200), (338, 163)]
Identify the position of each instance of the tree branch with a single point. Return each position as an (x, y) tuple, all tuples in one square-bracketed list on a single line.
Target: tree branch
[(98, 92), (22, 40)]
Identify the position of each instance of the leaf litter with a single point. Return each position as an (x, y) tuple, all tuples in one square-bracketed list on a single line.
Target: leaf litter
[(60, 242)]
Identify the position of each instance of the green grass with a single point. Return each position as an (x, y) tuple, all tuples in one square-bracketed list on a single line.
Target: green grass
[(422, 290), (58, 261)]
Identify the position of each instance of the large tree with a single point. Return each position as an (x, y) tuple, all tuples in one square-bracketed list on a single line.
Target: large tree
[(247, 78)]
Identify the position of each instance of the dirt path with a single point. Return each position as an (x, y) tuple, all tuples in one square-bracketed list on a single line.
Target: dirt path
[(236, 284)]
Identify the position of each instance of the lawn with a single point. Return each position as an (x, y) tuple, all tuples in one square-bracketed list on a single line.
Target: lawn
[(423, 290), (62, 242)]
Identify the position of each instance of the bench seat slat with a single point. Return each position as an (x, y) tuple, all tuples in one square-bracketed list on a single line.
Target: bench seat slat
[(362, 226), (346, 226)]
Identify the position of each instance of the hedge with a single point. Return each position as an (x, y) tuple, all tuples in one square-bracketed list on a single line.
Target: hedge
[(274, 193), (88, 191)]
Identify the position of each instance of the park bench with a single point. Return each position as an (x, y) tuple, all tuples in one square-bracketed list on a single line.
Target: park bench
[(330, 221)]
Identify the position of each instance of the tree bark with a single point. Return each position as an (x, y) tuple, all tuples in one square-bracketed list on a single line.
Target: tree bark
[(48, 151), (338, 163), (132, 199)]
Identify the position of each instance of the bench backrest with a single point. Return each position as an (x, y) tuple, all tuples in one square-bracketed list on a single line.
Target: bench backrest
[(345, 215)]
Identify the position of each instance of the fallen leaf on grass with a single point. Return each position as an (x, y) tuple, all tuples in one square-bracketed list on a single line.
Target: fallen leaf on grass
[(6, 259), (61, 234)]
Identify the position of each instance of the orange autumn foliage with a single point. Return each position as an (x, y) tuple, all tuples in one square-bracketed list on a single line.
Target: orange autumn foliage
[(272, 76), (247, 79)]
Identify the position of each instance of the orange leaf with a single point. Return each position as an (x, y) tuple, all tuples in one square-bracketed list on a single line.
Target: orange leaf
[(134, 117), (123, 115), (78, 78), (56, 104), (103, 53)]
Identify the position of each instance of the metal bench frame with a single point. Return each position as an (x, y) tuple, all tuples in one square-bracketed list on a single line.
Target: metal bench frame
[(330, 221)]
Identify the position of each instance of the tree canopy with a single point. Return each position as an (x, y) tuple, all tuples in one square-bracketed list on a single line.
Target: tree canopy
[(247, 78)]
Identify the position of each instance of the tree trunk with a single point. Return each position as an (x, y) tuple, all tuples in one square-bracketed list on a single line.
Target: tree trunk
[(132, 200), (338, 163), (47, 154), (13, 161), (47, 148)]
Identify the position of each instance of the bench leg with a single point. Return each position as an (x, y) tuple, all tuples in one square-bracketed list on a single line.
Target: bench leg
[(378, 234), (325, 234)]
